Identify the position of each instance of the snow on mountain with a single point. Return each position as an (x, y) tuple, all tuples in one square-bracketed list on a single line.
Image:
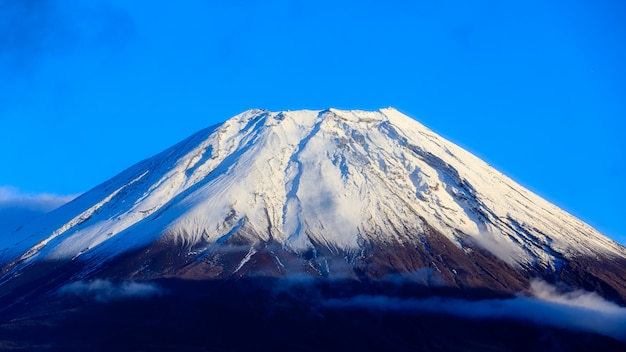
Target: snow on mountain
[(305, 179)]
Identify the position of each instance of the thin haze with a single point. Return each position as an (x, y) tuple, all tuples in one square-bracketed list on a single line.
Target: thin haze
[(87, 88)]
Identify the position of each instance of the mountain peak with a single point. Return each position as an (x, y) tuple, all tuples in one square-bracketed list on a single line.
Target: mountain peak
[(324, 192)]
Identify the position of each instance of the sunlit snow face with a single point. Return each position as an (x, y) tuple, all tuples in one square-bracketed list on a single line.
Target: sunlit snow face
[(304, 178)]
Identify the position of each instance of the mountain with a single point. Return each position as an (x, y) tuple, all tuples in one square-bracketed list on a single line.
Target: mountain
[(350, 196)]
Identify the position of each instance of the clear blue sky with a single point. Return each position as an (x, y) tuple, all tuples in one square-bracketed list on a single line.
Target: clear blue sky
[(536, 88)]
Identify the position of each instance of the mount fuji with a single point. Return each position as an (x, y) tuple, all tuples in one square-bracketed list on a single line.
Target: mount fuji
[(332, 195)]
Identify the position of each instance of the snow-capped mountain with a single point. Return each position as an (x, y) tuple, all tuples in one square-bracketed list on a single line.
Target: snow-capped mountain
[(349, 194)]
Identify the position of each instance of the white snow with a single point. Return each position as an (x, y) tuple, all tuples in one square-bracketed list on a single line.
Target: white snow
[(331, 177), (245, 259)]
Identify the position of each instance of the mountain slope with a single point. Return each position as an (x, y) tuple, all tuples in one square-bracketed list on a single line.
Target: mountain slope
[(346, 194)]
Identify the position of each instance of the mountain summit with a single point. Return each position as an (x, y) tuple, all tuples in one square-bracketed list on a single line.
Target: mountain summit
[(311, 230), (344, 194)]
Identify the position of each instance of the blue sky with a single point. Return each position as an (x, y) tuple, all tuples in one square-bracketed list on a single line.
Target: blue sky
[(535, 88)]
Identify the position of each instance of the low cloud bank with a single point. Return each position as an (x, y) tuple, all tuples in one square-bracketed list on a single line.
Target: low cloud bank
[(12, 197), (104, 290), (578, 298), (18, 208), (578, 310)]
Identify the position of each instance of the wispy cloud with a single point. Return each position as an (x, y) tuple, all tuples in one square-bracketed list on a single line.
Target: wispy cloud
[(104, 290), (26, 31), (577, 298), (43, 44), (578, 310), (32, 31), (499, 245)]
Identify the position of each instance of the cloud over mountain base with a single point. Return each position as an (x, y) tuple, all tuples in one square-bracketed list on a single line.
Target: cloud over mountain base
[(18, 208), (104, 290), (577, 310), (304, 315)]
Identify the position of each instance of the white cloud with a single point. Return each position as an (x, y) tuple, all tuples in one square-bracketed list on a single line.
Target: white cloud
[(500, 246), (18, 208), (578, 310), (104, 290), (578, 298), (11, 196)]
